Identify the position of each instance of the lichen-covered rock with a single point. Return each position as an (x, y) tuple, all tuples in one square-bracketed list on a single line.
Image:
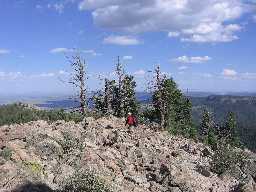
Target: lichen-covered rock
[(140, 159)]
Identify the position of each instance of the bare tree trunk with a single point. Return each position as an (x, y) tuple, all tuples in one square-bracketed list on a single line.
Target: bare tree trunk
[(78, 80), (108, 94), (120, 74), (160, 101)]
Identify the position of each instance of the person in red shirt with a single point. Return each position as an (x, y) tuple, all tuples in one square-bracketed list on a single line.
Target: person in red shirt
[(131, 120)]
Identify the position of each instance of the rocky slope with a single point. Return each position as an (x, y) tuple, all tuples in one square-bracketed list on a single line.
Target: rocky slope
[(140, 159)]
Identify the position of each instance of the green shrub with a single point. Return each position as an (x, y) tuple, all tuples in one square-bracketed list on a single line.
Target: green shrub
[(6, 153), (84, 182), (225, 158), (34, 167), (69, 143), (18, 113)]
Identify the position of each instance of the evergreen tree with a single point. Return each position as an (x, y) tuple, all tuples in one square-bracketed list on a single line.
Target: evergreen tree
[(119, 108), (128, 93), (110, 87), (206, 125), (105, 100), (171, 107), (208, 131), (117, 98), (98, 100), (230, 130)]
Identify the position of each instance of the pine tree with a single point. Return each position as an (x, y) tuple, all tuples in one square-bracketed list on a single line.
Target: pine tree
[(117, 98), (110, 96), (171, 107), (230, 130), (206, 125), (208, 131), (128, 94), (104, 101)]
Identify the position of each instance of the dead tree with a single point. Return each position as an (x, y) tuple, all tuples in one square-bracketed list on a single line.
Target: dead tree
[(159, 96), (78, 80), (120, 75)]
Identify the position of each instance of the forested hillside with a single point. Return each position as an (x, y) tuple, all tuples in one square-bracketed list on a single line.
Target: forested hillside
[(244, 108)]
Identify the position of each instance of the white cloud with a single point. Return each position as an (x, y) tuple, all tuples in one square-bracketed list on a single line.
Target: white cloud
[(10, 75), (61, 50), (4, 51), (229, 73), (41, 75), (67, 50), (121, 40), (46, 75), (186, 59), (59, 7), (196, 21), (91, 52), (181, 68), (213, 32), (62, 72), (234, 75), (127, 57), (173, 34), (140, 72)]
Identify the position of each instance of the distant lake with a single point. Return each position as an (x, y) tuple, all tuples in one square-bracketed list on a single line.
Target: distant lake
[(69, 103), (59, 104)]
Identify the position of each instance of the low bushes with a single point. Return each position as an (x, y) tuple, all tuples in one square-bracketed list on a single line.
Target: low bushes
[(18, 113)]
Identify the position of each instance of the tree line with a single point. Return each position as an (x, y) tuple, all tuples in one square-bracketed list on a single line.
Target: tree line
[(170, 108)]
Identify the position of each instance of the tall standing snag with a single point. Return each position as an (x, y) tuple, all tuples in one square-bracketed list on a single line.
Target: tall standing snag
[(171, 107), (78, 79), (120, 75)]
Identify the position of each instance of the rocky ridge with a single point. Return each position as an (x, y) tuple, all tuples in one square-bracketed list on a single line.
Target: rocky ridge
[(139, 159)]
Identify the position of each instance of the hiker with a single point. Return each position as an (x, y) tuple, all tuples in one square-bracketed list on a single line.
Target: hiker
[(131, 120)]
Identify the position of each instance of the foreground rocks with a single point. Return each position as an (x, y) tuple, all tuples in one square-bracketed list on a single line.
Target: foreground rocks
[(139, 159)]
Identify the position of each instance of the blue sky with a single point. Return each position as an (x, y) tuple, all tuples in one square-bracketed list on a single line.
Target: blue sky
[(204, 45)]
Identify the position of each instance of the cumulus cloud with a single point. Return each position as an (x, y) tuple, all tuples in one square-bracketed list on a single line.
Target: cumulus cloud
[(196, 21), (232, 74), (67, 50), (185, 59), (4, 51), (229, 73), (127, 57), (213, 32), (121, 40)]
